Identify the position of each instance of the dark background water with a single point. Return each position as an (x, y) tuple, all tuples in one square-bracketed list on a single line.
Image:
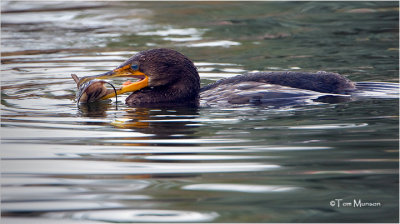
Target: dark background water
[(99, 164)]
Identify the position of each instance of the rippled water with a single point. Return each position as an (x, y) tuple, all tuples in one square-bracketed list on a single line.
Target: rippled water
[(101, 164)]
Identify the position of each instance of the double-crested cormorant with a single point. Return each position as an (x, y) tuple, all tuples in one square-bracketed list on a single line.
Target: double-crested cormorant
[(167, 77)]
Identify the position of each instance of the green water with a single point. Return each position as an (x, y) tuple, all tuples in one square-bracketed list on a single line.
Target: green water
[(102, 164)]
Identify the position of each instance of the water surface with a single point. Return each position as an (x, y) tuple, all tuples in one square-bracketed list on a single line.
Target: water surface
[(101, 164)]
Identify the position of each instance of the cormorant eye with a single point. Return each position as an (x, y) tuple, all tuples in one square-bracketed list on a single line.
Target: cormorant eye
[(134, 67)]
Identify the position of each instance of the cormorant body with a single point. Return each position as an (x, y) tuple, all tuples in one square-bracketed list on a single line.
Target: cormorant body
[(168, 78)]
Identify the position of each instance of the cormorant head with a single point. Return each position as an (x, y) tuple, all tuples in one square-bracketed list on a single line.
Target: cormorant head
[(156, 69)]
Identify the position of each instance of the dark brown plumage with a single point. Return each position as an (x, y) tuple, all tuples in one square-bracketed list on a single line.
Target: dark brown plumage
[(324, 82), (274, 88), (173, 78)]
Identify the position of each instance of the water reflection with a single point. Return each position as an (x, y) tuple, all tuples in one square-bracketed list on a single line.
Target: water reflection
[(162, 123), (96, 109), (220, 43), (239, 188), (147, 216), (102, 164)]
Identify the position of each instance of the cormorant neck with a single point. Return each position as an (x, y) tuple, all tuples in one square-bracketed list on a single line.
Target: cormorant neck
[(176, 93)]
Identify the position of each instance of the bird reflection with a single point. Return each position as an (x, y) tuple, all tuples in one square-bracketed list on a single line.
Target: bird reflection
[(95, 109), (161, 123)]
